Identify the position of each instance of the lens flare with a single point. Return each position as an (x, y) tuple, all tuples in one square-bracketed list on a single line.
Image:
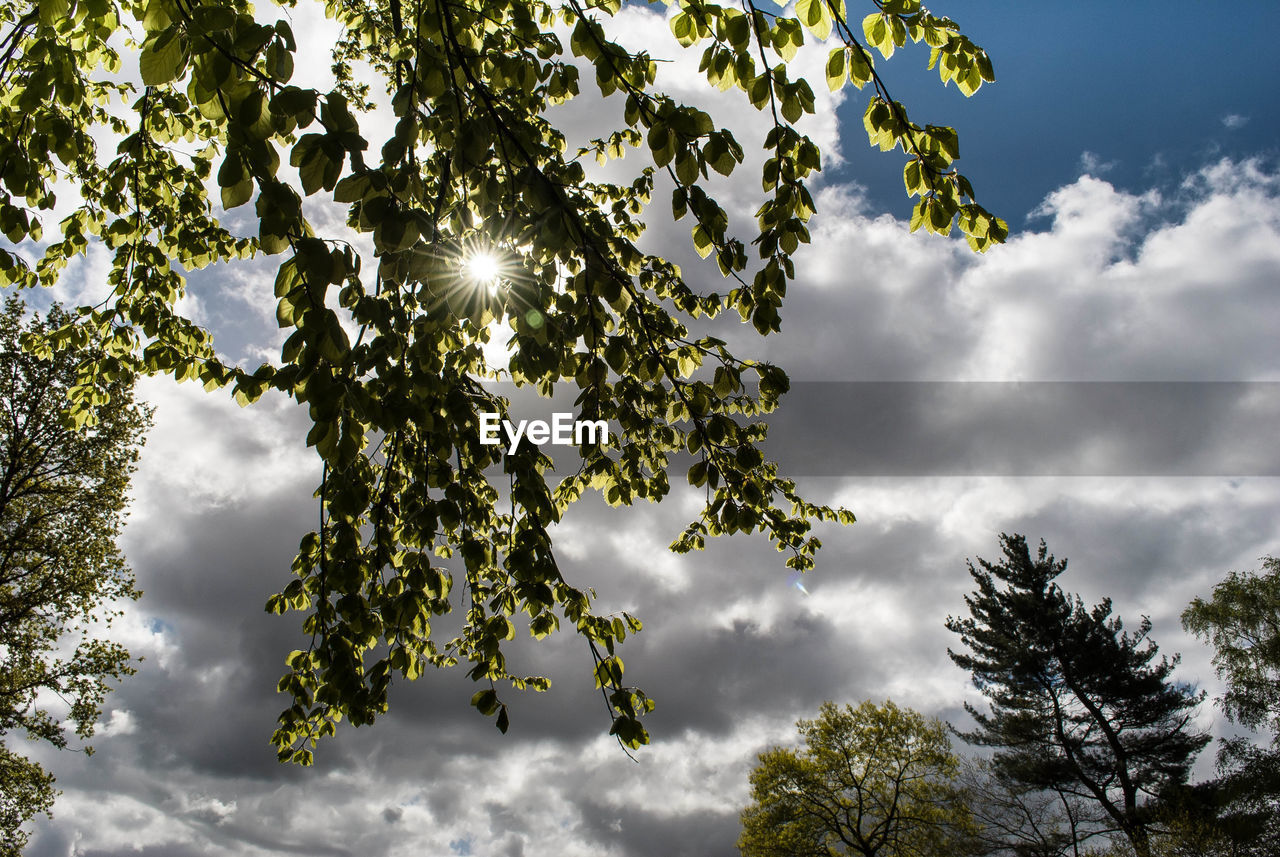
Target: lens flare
[(794, 580), (483, 268)]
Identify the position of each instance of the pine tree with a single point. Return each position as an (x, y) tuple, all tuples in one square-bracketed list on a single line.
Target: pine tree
[(1077, 703)]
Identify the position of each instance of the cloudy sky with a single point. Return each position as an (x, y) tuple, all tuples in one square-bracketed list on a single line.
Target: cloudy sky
[(1133, 149)]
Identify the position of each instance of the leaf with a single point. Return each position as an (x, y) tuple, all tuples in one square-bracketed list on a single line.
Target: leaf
[(213, 18), (352, 188), (682, 28), (702, 241), (792, 110), (279, 62), (939, 217), (816, 17), (238, 193), (912, 177), (860, 71), (918, 214), (163, 57), (878, 33), (485, 701), (54, 12), (837, 68)]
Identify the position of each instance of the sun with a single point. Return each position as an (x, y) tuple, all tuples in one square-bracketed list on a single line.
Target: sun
[(483, 268)]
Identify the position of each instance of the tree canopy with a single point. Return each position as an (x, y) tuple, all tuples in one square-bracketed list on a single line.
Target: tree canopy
[(62, 501), (219, 156), (1241, 620), (1077, 704), (875, 780)]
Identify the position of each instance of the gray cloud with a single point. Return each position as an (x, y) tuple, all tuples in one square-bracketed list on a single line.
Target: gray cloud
[(1115, 287)]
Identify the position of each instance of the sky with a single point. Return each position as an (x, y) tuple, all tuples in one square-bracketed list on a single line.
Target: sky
[(1133, 149)]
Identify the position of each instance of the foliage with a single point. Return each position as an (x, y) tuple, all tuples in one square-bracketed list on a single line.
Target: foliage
[(872, 780), (1242, 622), (1186, 836), (62, 500), (1248, 793), (385, 330), (25, 790), (1077, 703)]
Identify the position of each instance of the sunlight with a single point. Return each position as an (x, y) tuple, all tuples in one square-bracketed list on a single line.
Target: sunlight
[(483, 268)]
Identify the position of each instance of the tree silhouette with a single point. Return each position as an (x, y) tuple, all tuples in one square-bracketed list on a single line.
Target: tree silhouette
[(1077, 703)]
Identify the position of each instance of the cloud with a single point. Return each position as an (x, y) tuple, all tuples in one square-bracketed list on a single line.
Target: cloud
[(1234, 121), (1092, 164), (1112, 286), (1117, 287)]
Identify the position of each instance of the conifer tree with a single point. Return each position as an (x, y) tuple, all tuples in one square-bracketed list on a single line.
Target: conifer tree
[(1077, 703)]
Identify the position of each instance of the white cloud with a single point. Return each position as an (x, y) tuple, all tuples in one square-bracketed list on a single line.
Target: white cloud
[(1113, 285), (121, 722), (1092, 164), (1118, 286)]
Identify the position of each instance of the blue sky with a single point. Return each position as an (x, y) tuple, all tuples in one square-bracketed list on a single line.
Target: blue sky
[(1154, 258), (1148, 88)]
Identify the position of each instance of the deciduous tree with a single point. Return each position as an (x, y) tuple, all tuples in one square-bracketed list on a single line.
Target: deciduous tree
[(386, 321), (1077, 703), (1242, 622), (62, 501), (876, 780)]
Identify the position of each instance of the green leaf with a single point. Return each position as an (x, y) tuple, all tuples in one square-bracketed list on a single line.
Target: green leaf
[(816, 17), (683, 29), (913, 178), (213, 18), (702, 241), (837, 68), (918, 214), (163, 57), (860, 71), (238, 193), (879, 33), (486, 701), (54, 12), (792, 109), (939, 217)]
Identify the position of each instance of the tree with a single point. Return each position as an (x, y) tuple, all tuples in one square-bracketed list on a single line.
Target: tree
[(62, 500), (482, 221), (876, 780), (1013, 819), (1242, 622), (1077, 703)]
